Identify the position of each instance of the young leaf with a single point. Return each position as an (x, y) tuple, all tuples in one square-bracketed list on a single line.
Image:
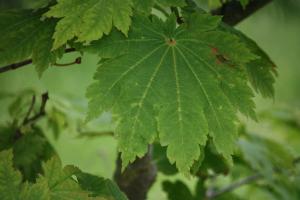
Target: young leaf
[(25, 35), (178, 82), (89, 20)]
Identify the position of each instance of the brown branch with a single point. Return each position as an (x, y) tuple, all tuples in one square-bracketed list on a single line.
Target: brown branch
[(29, 120), (137, 178), (25, 63), (41, 112), (233, 12)]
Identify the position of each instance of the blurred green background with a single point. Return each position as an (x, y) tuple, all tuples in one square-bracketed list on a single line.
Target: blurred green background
[(276, 31)]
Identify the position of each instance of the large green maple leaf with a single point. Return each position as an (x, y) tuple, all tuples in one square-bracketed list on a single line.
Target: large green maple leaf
[(88, 20), (179, 84)]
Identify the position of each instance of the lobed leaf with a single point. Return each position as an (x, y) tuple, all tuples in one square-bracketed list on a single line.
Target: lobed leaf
[(179, 84)]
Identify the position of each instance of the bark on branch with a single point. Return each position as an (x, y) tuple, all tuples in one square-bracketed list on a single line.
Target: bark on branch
[(137, 178), (233, 12)]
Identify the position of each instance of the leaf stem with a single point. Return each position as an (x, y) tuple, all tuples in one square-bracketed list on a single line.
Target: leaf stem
[(77, 61)]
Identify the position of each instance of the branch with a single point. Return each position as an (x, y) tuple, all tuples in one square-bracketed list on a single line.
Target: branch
[(234, 186), (233, 12), (137, 178), (41, 112), (239, 183), (29, 120), (25, 63)]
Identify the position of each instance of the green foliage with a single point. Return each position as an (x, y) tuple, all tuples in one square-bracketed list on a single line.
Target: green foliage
[(211, 161), (30, 149), (10, 179), (56, 183), (177, 191), (165, 75), (264, 154), (178, 86), (161, 160), (24, 35), (99, 186)]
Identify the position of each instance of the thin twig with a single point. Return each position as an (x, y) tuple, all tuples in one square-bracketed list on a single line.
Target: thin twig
[(42, 111), (29, 110), (77, 61), (25, 63), (234, 186), (27, 120)]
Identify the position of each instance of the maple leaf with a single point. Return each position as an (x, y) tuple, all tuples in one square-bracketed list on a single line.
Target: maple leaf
[(89, 20), (25, 35), (166, 82)]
